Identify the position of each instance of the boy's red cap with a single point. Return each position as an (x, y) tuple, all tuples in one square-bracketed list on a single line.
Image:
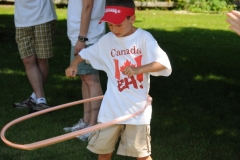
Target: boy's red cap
[(116, 15)]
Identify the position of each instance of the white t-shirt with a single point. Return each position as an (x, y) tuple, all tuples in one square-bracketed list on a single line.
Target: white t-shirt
[(33, 12), (126, 95), (95, 30)]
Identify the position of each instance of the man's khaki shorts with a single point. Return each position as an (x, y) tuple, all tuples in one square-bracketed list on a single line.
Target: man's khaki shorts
[(134, 142), (36, 40)]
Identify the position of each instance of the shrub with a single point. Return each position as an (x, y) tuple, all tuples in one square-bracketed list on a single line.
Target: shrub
[(202, 6), (205, 6)]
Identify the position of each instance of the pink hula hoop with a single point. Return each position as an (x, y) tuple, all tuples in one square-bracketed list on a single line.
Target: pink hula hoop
[(67, 136)]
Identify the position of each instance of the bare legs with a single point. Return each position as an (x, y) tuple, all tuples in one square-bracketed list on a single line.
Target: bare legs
[(108, 157), (91, 87), (145, 158), (105, 156), (37, 73)]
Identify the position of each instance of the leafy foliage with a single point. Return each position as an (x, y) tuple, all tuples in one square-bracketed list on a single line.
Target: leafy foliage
[(205, 6), (201, 6)]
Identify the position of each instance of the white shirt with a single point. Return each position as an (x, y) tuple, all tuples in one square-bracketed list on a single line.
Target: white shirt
[(95, 30), (126, 95), (33, 12)]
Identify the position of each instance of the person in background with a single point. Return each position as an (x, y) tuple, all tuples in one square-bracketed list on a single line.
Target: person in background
[(83, 31), (35, 23), (233, 18), (128, 55)]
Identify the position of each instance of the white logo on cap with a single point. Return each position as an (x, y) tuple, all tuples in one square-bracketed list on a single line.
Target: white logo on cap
[(114, 10)]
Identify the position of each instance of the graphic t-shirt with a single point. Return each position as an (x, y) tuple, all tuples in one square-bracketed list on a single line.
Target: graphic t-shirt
[(126, 95)]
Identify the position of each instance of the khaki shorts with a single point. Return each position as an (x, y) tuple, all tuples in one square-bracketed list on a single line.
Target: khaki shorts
[(83, 67), (36, 40), (134, 142)]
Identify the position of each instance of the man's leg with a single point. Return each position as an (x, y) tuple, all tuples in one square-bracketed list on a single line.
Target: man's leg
[(43, 35), (91, 88), (86, 106), (94, 89), (44, 69), (84, 121), (34, 75)]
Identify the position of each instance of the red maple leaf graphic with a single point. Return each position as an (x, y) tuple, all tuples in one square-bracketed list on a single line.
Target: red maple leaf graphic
[(126, 64)]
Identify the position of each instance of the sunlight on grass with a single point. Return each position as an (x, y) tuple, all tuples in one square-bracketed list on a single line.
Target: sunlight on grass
[(158, 20), (184, 58), (234, 133), (63, 77), (209, 77), (7, 9), (61, 13), (3, 26), (219, 132), (168, 122), (212, 77), (9, 71)]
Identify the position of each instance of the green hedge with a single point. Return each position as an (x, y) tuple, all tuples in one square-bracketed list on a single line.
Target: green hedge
[(206, 6), (201, 6)]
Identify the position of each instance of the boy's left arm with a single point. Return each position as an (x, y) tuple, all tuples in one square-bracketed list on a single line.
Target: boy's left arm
[(151, 67)]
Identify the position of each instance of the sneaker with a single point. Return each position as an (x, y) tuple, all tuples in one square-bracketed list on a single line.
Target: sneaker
[(39, 107), (28, 103), (75, 127), (84, 137)]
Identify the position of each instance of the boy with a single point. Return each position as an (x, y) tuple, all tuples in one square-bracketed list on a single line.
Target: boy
[(128, 55), (234, 21)]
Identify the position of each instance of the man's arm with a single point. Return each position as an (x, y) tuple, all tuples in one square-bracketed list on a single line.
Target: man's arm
[(87, 6)]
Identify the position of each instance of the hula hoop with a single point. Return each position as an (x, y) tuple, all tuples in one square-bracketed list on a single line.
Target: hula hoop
[(67, 136)]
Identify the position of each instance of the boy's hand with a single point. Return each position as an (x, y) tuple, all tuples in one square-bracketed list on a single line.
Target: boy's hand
[(71, 71), (130, 71)]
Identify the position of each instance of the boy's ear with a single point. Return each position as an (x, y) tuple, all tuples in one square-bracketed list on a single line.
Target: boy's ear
[(132, 19)]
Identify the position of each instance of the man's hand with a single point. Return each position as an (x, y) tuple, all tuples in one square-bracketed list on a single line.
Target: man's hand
[(78, 47), (233, 18)]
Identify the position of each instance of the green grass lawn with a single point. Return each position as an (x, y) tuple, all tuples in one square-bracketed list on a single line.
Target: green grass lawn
[(196, 111)]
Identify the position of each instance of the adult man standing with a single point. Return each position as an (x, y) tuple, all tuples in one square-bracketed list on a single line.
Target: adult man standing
[(35, 23), (84, 31)]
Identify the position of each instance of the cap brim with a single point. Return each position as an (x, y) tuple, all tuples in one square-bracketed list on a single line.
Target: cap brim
[(113, 19)]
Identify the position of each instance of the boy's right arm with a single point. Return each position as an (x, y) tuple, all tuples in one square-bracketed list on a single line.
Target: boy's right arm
[(71, 71), (151, 67)]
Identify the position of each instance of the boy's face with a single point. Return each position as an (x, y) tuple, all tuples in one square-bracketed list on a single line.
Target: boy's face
[(124, 29)]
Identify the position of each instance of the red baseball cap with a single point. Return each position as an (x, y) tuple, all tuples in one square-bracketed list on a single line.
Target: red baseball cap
[(116, 14)]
